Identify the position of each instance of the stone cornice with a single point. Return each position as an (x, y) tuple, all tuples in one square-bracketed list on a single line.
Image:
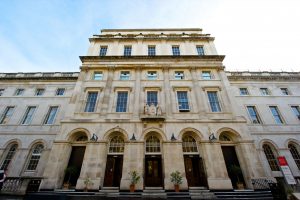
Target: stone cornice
[(263, 76), (177, 37), (40, 76)]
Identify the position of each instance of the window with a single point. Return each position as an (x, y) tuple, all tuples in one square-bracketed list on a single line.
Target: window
[(295, 153), (214, 101), (206, 75), (244, 91), (271, 157), (253, 115), (296, 111), (116, 145), (152, 75), (285, 91), (151, 51), (152, 98), (125, 75), (60, 91), (103, 50), (9, 156), (189, 144), (152, 144), (28, 115), (98, 76), (1, 92), (200, 50), (175, 51), (179, 75), (91, 102), (264, 91), (35, 157), (50, 117), (39, 92), (19, 92), (6, 114), (122, 102), (276, 114), (127, 50), (183, 102)]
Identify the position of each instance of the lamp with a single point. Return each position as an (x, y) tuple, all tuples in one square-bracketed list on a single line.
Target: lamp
[(173, 137), (94, 138), (133, 138), (212, 137)]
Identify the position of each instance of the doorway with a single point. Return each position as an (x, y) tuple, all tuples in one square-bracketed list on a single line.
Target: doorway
[(153, 171), (231, 159), (194, 170), (113, 171)]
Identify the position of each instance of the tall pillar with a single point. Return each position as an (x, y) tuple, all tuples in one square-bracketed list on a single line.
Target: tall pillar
[(133, 160), (173, 161), (217, 176), (93, 165)]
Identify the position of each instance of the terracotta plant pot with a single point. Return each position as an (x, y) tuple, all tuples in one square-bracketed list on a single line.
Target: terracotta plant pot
[(66, 186), (176, 188), (240, 186), (132, 188)]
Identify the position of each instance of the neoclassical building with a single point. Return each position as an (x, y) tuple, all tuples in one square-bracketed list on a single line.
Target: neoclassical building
[(154, 101)]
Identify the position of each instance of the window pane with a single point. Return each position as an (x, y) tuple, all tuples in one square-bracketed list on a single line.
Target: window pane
[(116, 145), (179, 75), (51, 115), (127, 51), (276, 115), (35, 157), (264, 91), (295, 154), (152, 75), (28, 115), (296, 111), (19, 92), (200, 50), (175, 51), (122, 102), (1, 92), (152, 144), (244, 91), (206, 75), (151, 51), (98, 76), (39, 92), (152, 98), (189, 144), (6, 114), (103, 51), (271, 158), (214, 101), (253, 114), (284, 91), (60, 91), (125, 75), (10, 154), (183, 103), (91, 102)]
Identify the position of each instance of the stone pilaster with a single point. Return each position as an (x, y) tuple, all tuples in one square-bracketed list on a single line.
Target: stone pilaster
[(137, 104), (167, 93)]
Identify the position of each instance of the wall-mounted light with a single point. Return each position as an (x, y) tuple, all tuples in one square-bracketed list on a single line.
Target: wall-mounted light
[(212, 137), (94, 138), (173, 138), (133, 138)]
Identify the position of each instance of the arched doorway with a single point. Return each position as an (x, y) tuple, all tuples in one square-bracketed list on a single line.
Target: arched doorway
[(194, 168), (114, 162), (153, 162), (233, 167)]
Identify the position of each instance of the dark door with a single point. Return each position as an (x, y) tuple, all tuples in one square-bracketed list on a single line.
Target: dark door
[(113, 171), (153, 171), (231, 159), (75, 161), (194, 170)]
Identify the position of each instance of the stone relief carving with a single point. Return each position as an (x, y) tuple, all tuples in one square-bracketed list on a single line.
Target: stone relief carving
[(152, 110)]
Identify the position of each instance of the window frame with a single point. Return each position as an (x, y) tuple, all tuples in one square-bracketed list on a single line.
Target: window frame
[(151, 50), (202, 53), (127, 101), (285, 91), (9, 155), (271, 159), (98, 78), (219, 101), (4, 114), (245, 89), (187, 101), (2, 90), (153, 146), (123, 77), (103, 50), (258, 118), (127, 50), (203, 77), (86, 104), (278, 114), (60, 89), (31, 159), (152, 77), (175, 50), (120, 145), (297, 115), (19, 92), (37, 92), (263, 90), (24, 118), (157, 97), (179, 75), (46, 119), (295, 154)]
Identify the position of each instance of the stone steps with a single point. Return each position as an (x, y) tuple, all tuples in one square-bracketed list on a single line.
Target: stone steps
[(154, 192), (248, 194)]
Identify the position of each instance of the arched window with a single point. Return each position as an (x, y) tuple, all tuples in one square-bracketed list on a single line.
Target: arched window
[(82, 138), (224, 137), (152, 144), (116, 145), (9, 156), (189, 144), (271, 157), (35, 157), (295, 153)]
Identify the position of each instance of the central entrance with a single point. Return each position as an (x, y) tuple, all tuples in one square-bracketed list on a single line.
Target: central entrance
[(153, 171), (113, 171), (194, 171)]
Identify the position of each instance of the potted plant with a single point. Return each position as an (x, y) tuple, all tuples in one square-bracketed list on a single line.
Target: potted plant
[(176, 179), (69, 171), (134, 179), (236, 171), (87, 182)]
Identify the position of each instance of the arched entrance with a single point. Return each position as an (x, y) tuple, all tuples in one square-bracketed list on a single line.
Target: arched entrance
[(233, 167), (194, 168), (153, 162), (114, 162)]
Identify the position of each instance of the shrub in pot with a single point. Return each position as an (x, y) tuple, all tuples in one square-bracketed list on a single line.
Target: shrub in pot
[(176, 179)]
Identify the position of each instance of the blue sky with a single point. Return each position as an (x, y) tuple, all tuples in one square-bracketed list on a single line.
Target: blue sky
[(50, 35)]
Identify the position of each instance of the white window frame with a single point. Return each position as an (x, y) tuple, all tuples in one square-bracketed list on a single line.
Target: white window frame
[(264, 89), (48, 115), (206, 77), (99, 77), (246, 89), (124, 77), (188, 99), (279, 114), (151, 77), (179, 75), (26, 114), (257, 114)]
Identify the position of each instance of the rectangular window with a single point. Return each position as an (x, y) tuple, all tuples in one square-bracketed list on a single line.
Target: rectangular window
[(179, 75), (19, 92), (183, 102), (206, 75), (284, 91), (60, 91), (244, 91), (152, 75), (122, 102), (264, 91), (103, 50), (50, 117), (200, 50), (253, 114), (296, 111), (276, 114), (127, 50), (1, 92), (151, 51), (39, 92), (91, 102), (6, 114), (28, 115), (175, 50), (214, 101), (125, 75), (98, 76), (152, 98)]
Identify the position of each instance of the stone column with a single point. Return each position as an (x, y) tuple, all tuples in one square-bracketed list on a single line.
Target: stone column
[(133, 160), (57, 162), (93, 165), (173, 161), (217, 176)]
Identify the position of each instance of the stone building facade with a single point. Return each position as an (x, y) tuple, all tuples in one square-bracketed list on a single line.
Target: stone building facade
[(154, 101)]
